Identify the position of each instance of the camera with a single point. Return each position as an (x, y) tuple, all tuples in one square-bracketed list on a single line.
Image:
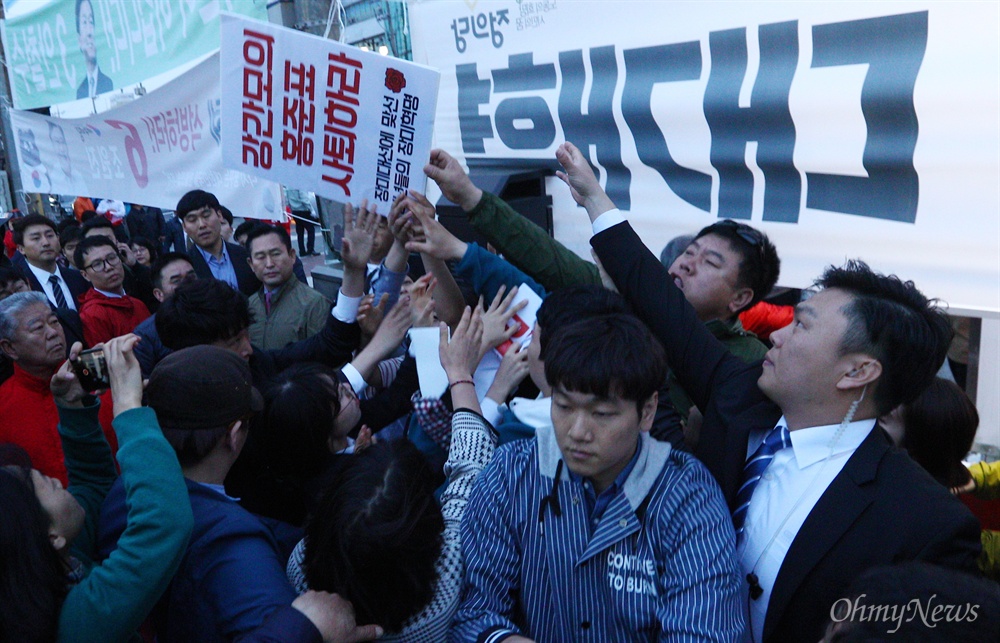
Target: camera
[(91, 367)]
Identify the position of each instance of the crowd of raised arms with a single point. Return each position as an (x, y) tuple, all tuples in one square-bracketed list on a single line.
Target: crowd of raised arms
[(637, 449)]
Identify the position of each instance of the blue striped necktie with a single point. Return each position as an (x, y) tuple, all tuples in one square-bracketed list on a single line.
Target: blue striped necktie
[(57, 292), (775, 441)]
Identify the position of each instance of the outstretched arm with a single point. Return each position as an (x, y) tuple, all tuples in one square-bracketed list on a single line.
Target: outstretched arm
[(111, 603), (524, 244)]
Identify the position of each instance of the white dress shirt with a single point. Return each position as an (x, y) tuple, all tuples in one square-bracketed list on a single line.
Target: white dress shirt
[(786, 494), (43, 278)]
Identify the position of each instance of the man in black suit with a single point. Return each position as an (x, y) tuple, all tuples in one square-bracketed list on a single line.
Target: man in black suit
[(38, 248), (94, 82), (817, 492), (201, 215)]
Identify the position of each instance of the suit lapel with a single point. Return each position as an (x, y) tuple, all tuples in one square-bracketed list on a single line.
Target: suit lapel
[(835, 512)]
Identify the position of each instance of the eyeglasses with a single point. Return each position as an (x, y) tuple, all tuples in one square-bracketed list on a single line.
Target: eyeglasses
[(753, 236), (102, 264)]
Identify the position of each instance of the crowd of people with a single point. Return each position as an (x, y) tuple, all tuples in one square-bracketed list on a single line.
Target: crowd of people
[(474, 444)]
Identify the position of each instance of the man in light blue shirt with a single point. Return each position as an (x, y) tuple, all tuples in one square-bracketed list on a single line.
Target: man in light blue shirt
[(201, 215)]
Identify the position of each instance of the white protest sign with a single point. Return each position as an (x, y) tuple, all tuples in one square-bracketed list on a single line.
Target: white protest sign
[(321, 116)]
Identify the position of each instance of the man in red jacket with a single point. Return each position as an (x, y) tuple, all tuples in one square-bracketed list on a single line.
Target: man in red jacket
[(105, 310), (31, 337)]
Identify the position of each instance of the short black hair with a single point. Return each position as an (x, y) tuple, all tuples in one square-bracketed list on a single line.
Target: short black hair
[(260, 231), (18, 226), (10, 274), (896, 324), (101, 221), (68, 222), (77, 12), (89, 243), (248, 226), (148, 244), (376, 536), (70, 234), (203, 311), (939, 428), (226, 213), (196, 200), (567, 305), (759, 262), (300, 406), (164, 260), (605, 355)]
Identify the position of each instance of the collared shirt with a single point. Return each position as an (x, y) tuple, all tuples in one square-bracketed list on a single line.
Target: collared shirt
[(222, 269), (784, 498), (113, 295), (597, 504), (43, 278)]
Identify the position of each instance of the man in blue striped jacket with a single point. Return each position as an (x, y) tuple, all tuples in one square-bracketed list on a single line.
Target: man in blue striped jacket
[(593, 531)]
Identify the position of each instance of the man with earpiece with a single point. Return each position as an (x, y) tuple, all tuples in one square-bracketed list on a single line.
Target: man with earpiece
[(817, 492)]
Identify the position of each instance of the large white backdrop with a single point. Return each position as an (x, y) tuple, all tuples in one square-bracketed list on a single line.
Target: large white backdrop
[(866, 130)]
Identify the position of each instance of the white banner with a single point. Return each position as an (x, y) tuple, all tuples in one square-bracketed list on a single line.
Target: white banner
[(325, 117), (867, 129), (150, 151)]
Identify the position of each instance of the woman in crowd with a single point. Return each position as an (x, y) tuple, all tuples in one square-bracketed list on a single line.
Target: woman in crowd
[(49, 587), (379, 537)]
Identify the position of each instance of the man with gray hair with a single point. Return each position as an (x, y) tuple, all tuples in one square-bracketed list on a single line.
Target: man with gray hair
[(32, 338)]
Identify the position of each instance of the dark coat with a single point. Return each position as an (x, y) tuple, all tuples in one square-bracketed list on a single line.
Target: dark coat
[(882, 508), (244, 275), (69, 319)]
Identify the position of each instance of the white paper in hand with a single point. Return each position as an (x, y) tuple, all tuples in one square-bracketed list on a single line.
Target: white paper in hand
[(424, 348), (525, 318)]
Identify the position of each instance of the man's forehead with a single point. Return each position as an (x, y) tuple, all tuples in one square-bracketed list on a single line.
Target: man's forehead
[(99, 252), (200, 212), (716, 245), (267, 241), (178, 266), (34, 313), (586, 399), (37, 228)]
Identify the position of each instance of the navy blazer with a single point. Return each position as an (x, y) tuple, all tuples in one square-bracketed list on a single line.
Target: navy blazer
[(882, 508), (247, 281)]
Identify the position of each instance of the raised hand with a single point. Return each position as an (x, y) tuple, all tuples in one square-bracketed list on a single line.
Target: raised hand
[(359, 235), (513, 369), (421, 294), (461, 355), (455, 184), (65, 385), (582, 181), (370, 316), (434, 239), (124, 373), (497, 318)]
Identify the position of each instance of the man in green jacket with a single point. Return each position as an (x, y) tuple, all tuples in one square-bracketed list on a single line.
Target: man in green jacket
[(284, 309), (728, 267)]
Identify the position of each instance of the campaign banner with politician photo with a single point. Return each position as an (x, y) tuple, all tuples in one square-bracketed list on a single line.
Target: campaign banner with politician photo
[(150, 151), (322, 116), (58, 51)]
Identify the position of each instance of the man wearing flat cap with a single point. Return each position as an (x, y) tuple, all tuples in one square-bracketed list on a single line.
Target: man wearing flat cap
[(231, 581)]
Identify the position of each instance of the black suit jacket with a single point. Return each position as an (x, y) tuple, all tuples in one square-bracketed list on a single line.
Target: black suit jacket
[(68, 318), (881, 509), (247, 281), (104, 84)]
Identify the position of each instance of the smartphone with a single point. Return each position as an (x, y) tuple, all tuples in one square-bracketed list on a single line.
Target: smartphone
[(92, 369)]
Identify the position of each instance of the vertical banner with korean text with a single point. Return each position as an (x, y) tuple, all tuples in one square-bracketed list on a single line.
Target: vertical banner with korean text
[(322, 116), (150, 151)]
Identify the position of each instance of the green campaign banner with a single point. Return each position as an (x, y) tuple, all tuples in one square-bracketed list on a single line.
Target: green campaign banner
[(72, 49)]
